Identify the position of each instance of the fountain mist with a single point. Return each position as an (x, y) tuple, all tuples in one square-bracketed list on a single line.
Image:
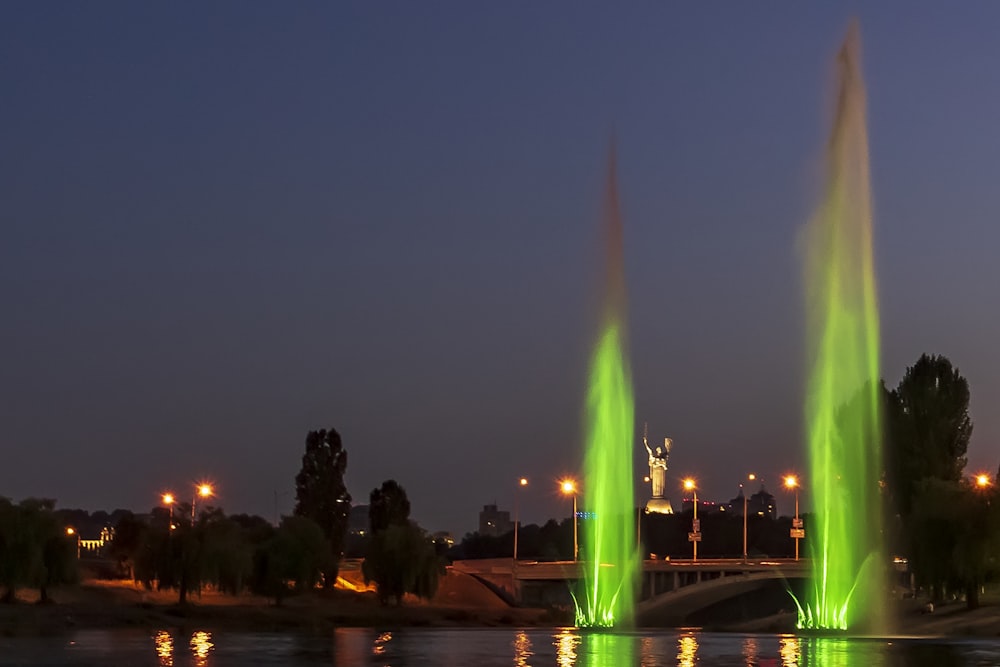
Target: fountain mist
[(609, 548), (842, 405)]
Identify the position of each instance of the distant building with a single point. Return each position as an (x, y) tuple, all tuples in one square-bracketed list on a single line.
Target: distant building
[(494, 522), (758, 504), (762, 504)]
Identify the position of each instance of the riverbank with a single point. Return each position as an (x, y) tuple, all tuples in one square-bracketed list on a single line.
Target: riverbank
[(460, 602), (98, 604), (907, 618)]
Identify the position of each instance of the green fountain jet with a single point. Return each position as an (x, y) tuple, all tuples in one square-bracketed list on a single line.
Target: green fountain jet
[(843, 399), (610, 555)]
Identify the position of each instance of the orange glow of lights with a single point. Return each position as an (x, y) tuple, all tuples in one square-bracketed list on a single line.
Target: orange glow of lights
[(983, 480), (689, 484), (205, 490), (568, 486), (70, 531), (523, 481), (168, 499), (791, 481)]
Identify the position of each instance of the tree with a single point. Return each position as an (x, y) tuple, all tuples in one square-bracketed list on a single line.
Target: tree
[(387, 506), (130, 533), (928, 427), (401, 558), (35, 549), (298, 551), (320, 493)]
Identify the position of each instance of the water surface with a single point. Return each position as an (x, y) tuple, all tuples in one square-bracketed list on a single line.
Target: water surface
[(364, 647)]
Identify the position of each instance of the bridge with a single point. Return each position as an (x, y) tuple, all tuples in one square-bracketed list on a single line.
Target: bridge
[(671, 590)]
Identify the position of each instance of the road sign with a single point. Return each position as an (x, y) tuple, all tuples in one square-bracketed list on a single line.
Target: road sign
[(696, 526), (796, 523), (798, 533), (694, 537)]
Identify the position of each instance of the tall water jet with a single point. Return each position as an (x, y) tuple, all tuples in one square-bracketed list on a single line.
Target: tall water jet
[(842, 407), (610, 553)]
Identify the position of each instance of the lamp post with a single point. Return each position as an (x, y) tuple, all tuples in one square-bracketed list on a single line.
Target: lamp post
[(792, 482), (983, 481), (695, 535), (70, 531), (751, 477), (203, 490), (168, 500), (521, 483), (569, 488)]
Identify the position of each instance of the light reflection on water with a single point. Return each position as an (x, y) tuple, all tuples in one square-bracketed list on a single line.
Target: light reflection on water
[(200, 644), (487, 647), (790, 651), (164, 648), (565, 643), (380, 642), (750, 651), (522, 649), (687, 650)]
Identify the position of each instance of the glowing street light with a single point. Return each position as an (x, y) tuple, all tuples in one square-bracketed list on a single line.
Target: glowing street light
[(169, 500), (792, 482), (70, 531), (521, 483), (568, 487), (983, 480), (751, 477), (695, 535), (203, 490)]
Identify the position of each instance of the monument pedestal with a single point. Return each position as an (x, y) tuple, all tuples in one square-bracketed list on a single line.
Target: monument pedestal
[(659, 506)]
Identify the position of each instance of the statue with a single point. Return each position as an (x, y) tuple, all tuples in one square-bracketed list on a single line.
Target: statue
[(658, 476), (658, 466)]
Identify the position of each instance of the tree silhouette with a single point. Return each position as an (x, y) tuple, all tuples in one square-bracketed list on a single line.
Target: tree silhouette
[(320, 493), (387, 506), (929, 428), (401, 558)]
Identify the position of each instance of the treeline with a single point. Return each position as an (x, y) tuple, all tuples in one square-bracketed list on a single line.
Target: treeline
[(943, 520), (35, 549), (174, 549)]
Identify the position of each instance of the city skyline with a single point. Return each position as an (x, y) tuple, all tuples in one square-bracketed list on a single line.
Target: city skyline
[(225, 227)]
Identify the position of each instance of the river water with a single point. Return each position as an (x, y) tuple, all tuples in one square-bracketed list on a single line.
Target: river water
[(410, 647)]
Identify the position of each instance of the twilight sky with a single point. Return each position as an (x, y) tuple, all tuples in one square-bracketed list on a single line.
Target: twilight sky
[(225, 225)]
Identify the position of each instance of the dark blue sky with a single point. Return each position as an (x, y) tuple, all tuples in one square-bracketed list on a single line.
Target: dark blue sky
[(224, 225)]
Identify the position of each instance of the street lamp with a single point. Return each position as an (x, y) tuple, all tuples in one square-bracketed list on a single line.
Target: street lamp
[(203, 490), (695, 535), (792, 482), (521, 483), (568, 487), (70, 531), (168, 500), (983, 480), (750, 477)]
